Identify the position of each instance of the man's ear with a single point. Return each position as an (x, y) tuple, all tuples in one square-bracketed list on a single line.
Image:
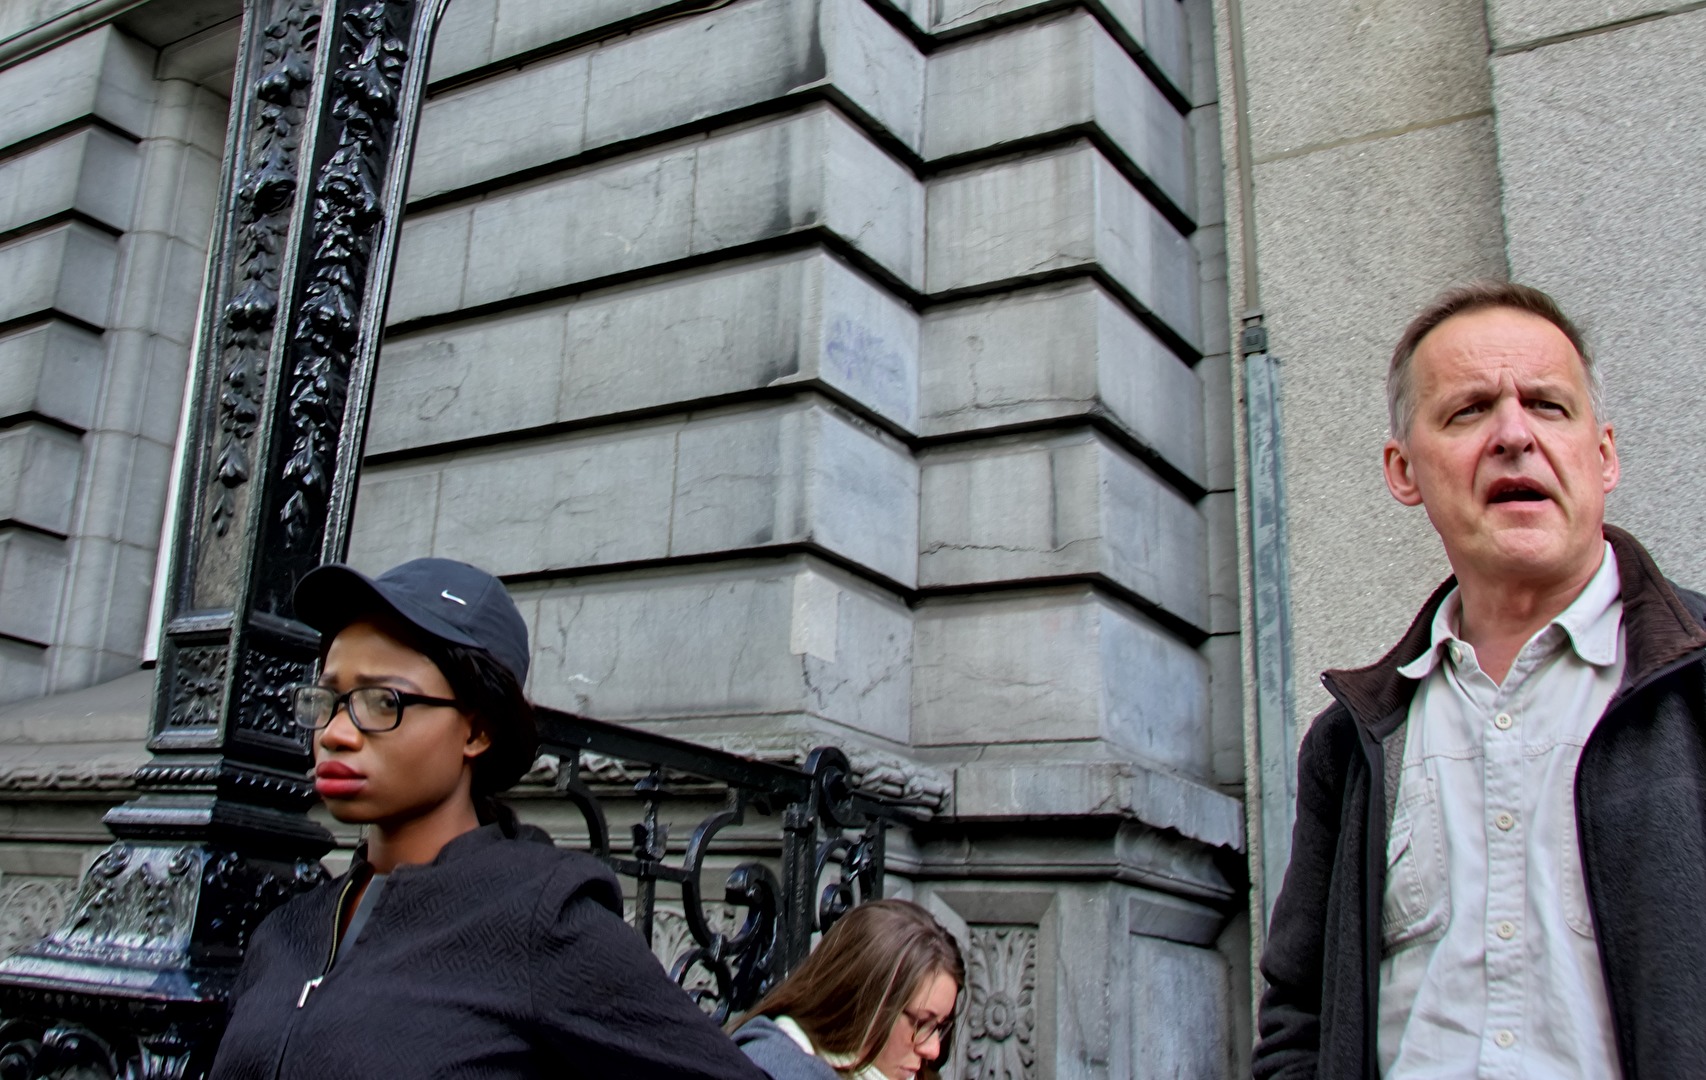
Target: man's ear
[(1609, 466), (1400, 476)]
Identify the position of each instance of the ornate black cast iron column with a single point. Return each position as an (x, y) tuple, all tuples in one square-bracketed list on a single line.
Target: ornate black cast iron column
[(318, 149)]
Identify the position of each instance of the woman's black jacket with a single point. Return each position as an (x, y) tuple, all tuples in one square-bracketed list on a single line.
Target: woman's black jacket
[(504, 957)]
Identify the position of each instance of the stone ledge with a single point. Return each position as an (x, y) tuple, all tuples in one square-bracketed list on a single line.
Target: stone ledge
[(1029, 791)]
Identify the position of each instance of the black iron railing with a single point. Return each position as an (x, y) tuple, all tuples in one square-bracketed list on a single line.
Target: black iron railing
[(805, 846), (824, 838)]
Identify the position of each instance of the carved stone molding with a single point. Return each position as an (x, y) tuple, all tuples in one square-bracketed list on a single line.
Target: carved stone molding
[(886, 776), (96, 775), (1001, 1011), (30, 907)]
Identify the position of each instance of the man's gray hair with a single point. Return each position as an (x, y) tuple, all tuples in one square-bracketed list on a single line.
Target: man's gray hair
[(1477, 296)]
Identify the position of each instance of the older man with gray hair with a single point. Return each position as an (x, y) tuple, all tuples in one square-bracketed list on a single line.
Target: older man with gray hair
[(1499, 862)]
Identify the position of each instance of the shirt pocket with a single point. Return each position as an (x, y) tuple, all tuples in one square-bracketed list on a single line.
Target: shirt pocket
[(1416, 903), (1571, 882)]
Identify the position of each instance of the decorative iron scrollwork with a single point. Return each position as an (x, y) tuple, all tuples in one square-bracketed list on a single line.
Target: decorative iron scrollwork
[(826, 827), (348, 208), (198, 680), (135, 898), (264, 197)]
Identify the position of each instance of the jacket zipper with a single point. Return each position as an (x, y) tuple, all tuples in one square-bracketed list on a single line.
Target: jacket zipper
[(313, 984)]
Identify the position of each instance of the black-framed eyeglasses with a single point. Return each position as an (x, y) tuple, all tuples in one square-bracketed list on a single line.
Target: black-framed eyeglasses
[(924, 1030), (371, 708)]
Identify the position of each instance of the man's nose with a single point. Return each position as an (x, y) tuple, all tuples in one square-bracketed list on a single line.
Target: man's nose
[(1511, 431)]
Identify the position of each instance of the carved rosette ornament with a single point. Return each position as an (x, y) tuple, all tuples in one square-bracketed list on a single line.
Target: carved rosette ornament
[(1001, 1011)]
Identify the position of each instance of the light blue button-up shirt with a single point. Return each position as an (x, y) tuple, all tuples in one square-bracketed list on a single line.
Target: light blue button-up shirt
[(1489, 966)]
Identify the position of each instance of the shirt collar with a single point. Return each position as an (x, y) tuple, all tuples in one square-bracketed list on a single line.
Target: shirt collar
[(1591, 623)]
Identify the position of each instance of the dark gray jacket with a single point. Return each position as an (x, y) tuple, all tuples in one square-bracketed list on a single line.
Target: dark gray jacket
[(781, 1058), (504, 957), (1641, 825)]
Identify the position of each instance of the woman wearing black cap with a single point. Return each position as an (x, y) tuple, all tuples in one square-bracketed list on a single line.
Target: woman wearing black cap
[(460, 943)]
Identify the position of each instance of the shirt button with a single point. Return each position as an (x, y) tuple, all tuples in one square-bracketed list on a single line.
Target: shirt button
[(1456, 653), (1503, 721), (1505, 1038), (1506, 930), (1505, 821)]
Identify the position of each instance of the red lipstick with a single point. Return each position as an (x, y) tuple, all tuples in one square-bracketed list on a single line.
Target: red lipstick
[(335, 780)]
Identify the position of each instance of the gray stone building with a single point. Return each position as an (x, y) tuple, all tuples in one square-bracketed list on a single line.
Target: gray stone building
[(863, 372)]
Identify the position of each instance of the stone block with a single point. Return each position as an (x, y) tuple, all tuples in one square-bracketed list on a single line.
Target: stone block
[(750, 53), (735, 480), (92, 171), (785, 639), (1220, 432), (1157, 915), (1354, 241), (1064, 210), (1062, 664), (1514, 23), (1209, 243), (1053, 76), (464, 39), (32, 573), (811, 170), (23, 671), (1597, 165), (1068, 505), (804, 318), (38, 476), (470, 133), (683, 71), (1225, 656), (102, 73), (1040, 787), (52, 369), (1181, 1018), (1368, 69), (479, 32), (160, 289), (1208, 175), (108, 588), (1058, 352), (1219, 512), (1155, 26), (68, 268)]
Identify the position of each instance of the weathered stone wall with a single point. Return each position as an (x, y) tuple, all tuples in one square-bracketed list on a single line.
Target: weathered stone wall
[(109, 159), (820, 372), (1600, 161), (813, 370)]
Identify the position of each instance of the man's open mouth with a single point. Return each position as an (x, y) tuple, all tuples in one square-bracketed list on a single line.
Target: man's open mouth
[(1516, 491)]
